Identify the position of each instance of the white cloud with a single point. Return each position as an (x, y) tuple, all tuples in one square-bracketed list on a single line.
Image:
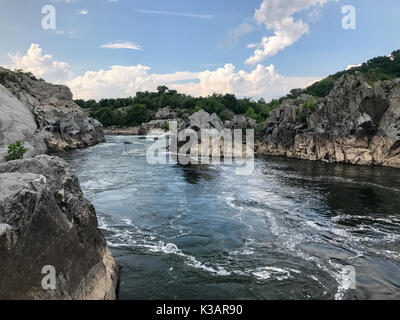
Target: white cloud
[(351, 66), (83, 12), (277, 16), (235, 34), (124, 81), (42, 66), (122, 45)]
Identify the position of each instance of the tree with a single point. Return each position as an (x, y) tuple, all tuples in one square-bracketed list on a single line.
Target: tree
[(162, 89), (136, 115)]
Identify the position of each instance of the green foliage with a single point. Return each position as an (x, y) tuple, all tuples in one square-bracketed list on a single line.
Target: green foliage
[(250, 113), (376, 69), (311, 104), (165, 126), (133, 111), (303, 118), (225, 115), (15, 151), (322, 88), (136, 115), (196, 109)]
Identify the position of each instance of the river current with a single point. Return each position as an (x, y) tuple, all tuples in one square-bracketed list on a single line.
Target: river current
[(290, 230)]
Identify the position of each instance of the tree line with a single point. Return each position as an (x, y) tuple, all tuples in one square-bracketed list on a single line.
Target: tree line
[(134, 111)]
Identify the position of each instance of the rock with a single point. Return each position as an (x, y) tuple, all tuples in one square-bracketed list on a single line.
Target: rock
[(129, 131), (45, 220), (18, 123), (165, 113), (62, 122), (240, 122), (355, 124)]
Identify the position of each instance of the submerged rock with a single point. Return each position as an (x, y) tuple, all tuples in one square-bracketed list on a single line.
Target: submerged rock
[(45, 220)]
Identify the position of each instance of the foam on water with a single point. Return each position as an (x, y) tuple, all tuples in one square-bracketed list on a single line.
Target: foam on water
[(274, 225)]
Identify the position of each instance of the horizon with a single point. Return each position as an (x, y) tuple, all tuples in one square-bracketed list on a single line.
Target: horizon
[(248, 49)]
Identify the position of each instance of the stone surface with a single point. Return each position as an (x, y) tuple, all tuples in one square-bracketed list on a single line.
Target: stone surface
[(356, 124), (18, 123), (46, 220), (165, 113), (63, 124)]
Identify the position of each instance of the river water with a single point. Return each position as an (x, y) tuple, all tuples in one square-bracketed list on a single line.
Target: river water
[(291, 230)]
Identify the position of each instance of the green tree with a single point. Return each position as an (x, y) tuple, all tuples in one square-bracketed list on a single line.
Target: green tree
[(136, 115)]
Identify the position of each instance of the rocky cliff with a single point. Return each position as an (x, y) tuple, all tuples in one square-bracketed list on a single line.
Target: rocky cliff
[(357, 123), (18, 123), (46, 221), (59, 120), (44, 218)]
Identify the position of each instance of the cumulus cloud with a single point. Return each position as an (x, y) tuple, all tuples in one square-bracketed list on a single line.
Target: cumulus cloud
[(41, 65), (124, 81), (277, 15)]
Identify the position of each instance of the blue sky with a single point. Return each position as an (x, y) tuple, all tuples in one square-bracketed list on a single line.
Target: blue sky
[(207, 42)]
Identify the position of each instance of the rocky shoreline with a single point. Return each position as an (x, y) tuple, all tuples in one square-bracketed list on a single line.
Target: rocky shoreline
[(357, 123), (45, 220)]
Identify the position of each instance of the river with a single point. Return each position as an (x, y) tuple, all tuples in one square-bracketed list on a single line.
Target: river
[(290, 230)]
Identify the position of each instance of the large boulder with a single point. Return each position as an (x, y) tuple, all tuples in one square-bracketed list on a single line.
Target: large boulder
[(356, 123), (45, 220), (62, 122), (18, 123)]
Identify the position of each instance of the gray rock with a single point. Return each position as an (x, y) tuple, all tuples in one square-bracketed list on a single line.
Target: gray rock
[(18, 123), (46, 220), (240, 122), (355, 123), (63, 124), (165, 113), (203, 120)]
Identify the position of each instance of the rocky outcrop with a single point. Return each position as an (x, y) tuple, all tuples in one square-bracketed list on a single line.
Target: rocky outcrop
[(46, 221), (165, 114), (18, 123), (240, 122), (356, 124), (61, 122)]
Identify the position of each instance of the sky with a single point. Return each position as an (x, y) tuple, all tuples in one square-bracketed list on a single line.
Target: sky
[(253, 48)]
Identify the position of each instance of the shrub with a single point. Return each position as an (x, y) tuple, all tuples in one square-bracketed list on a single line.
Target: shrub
[(165, 126), (310, 104), (15, 151)]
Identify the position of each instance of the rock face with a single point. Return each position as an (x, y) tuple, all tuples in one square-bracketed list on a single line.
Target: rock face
[(63, 124), (356, 124), (165, 113), (18, 123), (46, 221)]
